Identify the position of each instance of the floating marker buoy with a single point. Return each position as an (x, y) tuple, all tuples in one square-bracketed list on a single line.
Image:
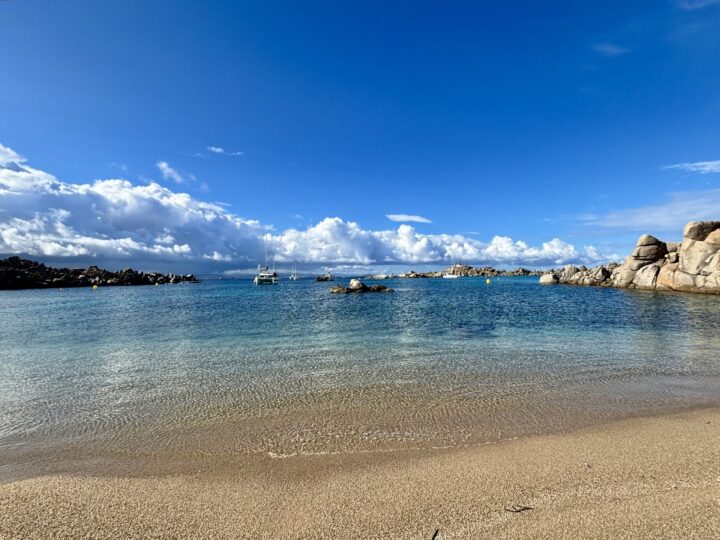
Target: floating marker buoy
[(487, 281), (94, 286)]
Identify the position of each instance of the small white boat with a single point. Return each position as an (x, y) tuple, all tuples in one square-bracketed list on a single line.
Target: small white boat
[(450, 276), (293, 276)]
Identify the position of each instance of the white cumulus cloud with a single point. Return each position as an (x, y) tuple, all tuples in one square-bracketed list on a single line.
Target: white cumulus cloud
[(335, 241), (41, 215), (9, 157)]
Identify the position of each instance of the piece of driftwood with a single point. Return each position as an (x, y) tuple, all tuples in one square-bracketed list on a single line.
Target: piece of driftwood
[(517, 508)]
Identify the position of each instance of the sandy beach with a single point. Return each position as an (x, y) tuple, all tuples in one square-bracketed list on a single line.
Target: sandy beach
[(656, 477)]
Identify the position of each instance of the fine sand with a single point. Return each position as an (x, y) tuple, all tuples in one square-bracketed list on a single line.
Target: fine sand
[(656, 477)]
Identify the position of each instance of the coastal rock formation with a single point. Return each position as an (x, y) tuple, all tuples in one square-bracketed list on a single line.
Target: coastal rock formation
[(469, 271), (548, 279), (17, 273), (690, 266), (357, 286)]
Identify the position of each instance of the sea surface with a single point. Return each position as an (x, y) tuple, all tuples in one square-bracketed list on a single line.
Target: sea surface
[(223, 368)]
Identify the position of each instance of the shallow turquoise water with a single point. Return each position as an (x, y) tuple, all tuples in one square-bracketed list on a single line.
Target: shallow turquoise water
[(229, 368)]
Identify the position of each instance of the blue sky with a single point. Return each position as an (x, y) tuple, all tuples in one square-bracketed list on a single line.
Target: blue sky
[(524, 120)]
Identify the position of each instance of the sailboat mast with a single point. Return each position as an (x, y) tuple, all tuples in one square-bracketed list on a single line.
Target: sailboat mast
[(266, 252)]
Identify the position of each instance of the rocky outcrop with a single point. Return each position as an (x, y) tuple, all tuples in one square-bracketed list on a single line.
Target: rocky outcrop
[(17, 273), (548, 279), (469, 271), (690, 266), (357, 286)]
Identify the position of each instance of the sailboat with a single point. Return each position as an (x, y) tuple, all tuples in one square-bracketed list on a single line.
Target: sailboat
[(293, 276), (265, 275), (450, 275)]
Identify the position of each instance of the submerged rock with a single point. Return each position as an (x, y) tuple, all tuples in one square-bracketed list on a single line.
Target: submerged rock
[(690, 266)]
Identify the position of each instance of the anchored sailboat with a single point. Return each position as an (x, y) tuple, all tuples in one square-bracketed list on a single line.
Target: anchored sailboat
[(265, 275), (450, 274)]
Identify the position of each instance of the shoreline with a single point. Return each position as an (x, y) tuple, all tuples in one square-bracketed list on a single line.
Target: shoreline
[(639, 477), (238, 439)]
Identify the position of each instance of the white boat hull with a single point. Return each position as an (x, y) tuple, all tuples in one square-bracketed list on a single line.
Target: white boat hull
[(266, 280)]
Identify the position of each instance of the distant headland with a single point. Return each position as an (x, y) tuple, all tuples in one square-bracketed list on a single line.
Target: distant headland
[(692, 265), (17, 273)]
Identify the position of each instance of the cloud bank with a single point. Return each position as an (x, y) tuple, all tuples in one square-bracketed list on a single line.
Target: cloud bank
[(41, 215), (334, 240)]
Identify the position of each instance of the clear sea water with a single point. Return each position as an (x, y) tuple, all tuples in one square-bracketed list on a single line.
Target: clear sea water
[(224, 368)]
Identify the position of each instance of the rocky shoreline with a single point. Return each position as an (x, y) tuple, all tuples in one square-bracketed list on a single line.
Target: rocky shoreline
[(17, 273), (690, 266)]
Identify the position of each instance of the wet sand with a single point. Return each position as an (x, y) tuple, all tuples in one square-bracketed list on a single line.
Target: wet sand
[(653, 477)]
